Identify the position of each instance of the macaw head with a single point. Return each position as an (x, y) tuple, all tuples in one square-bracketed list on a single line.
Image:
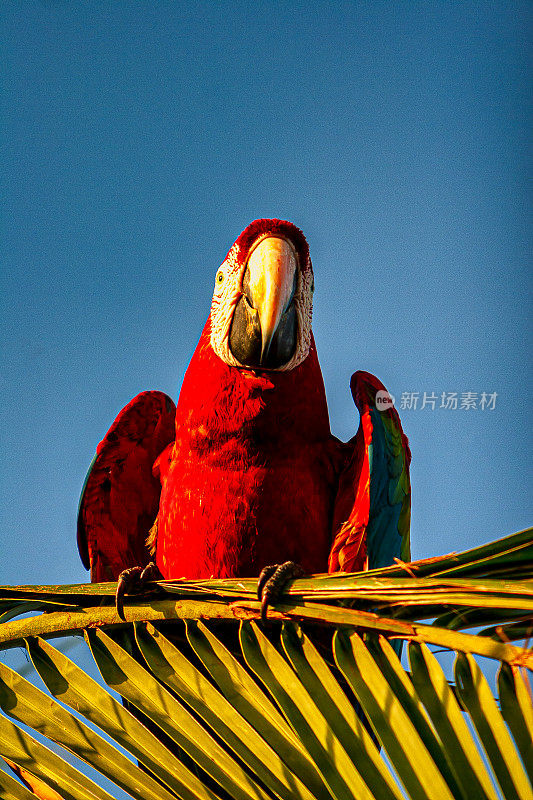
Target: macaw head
[(263, 299)]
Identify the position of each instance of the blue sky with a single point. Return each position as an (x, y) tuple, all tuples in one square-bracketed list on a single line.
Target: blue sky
[(141, 138)]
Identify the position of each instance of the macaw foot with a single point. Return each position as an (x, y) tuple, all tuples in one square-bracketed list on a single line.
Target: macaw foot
[(133, 581), (272, 583)]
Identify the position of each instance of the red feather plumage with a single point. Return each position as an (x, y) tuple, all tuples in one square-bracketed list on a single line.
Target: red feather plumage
[(251, 475), (253, 463)]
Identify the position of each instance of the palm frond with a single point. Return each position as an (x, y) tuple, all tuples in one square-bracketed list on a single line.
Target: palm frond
[(316, 704)]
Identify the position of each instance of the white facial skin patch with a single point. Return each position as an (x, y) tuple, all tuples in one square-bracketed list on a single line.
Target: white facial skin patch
[(272, 266)]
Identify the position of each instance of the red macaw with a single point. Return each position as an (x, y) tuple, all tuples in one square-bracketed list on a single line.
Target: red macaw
[(245, 471)]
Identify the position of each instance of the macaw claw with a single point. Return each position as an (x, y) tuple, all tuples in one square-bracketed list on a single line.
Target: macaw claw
[(133, 581), (273, 581)]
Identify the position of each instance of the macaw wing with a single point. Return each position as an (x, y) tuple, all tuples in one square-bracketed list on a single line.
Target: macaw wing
[(120, 497), (373, 504)]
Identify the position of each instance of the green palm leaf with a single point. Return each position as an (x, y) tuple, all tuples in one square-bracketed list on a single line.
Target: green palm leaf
[(315, 704)]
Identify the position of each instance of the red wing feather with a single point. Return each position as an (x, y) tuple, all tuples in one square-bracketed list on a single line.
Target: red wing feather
[(120, 499), (351, 511)]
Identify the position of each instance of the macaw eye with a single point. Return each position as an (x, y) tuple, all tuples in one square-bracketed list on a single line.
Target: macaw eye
[(220, 277)]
